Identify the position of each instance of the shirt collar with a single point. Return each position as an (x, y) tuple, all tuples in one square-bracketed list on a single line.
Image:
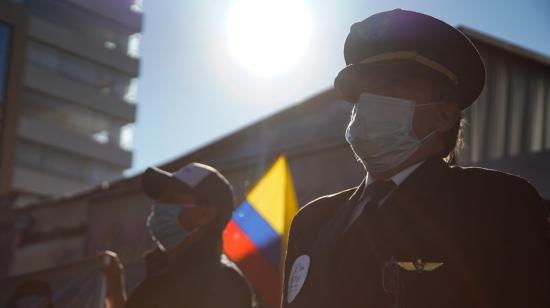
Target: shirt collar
[(400, 176)]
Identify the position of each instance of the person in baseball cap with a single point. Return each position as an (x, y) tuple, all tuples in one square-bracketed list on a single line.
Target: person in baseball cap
[(190, 209), (196, 199), (417, 231)]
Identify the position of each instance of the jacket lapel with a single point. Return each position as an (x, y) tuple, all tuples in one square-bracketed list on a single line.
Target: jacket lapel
[(412, 203), (323, 249)]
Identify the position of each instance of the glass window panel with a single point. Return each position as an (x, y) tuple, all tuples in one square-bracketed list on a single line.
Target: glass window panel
[(99, 77), (131, 92), (5, 37), (127, 137), (68, 116), (134, 41), (58, 162), (82, 21), (43, 56), (101, 137), (137, 6)]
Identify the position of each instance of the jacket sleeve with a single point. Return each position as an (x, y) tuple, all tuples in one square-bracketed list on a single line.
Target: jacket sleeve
[(523, 251)]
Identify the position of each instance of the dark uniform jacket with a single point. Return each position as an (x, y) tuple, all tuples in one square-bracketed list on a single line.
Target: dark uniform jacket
[(196, 279), (445, 237)]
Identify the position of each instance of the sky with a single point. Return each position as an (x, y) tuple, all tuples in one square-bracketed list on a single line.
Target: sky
[(211, 67)]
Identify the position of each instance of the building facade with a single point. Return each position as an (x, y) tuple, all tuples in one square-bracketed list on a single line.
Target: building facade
[(508, 128), (76, 104), (12, 37)]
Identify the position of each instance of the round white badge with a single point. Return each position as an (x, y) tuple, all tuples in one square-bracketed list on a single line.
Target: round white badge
[(298, 275)]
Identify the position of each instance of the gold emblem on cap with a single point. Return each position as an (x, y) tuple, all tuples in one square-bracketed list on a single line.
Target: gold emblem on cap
[(419, 266)]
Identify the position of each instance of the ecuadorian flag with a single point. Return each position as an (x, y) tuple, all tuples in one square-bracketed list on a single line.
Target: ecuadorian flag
[(256, 236)]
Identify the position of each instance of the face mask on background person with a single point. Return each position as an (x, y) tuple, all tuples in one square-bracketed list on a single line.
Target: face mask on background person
[(165, 227), (381, 132)]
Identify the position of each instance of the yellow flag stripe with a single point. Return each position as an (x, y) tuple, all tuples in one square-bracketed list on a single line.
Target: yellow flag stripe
[(274, 198)]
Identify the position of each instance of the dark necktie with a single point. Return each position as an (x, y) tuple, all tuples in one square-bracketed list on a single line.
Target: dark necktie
[(376, 192)]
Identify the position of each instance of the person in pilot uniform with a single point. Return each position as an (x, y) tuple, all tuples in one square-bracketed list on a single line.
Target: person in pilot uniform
[(417, 232)]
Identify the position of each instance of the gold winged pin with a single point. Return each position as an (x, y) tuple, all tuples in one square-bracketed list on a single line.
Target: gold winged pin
[(419, 266)]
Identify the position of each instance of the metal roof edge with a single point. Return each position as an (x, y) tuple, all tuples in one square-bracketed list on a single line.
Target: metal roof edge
[(505, 45)]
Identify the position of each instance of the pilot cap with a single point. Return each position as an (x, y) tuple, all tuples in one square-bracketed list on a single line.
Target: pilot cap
[(401, 35)]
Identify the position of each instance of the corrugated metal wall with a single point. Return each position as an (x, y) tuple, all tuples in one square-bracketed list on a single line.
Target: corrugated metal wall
[(512, 115)]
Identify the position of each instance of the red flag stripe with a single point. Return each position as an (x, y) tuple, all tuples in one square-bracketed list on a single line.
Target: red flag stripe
[(236, 244), (261, 274)]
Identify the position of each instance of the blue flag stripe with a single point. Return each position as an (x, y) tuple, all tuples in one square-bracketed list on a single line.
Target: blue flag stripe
[(259, 232)]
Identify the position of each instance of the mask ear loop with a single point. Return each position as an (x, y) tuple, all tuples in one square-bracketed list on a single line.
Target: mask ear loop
[(433, 132), (428, 104)]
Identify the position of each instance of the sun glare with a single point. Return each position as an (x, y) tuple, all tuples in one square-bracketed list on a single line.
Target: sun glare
[(268, 36)]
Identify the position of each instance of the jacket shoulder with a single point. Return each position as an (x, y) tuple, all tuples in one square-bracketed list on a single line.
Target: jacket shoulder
[(492, 178), (231, 287), (511, 193), (321, 207)]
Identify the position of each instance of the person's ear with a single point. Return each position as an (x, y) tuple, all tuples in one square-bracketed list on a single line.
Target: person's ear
[(448, 116)]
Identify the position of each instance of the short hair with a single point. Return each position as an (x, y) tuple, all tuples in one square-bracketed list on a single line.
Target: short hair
[(453, 142)]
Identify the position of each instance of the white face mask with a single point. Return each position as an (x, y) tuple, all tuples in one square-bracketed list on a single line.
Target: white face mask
[(381, 132), (164, 225)]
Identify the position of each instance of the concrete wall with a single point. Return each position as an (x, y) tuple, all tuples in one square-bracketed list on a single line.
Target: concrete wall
[(50, 236)]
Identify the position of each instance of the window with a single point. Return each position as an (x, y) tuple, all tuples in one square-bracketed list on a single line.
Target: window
[(127, 137), (137, 6), (82, 19), (131, 92), (101, 78), (4, 58), (99, 127), (134, 41), (54, 161)]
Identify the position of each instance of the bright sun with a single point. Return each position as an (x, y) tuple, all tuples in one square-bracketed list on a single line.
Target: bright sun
[(268, 36)]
